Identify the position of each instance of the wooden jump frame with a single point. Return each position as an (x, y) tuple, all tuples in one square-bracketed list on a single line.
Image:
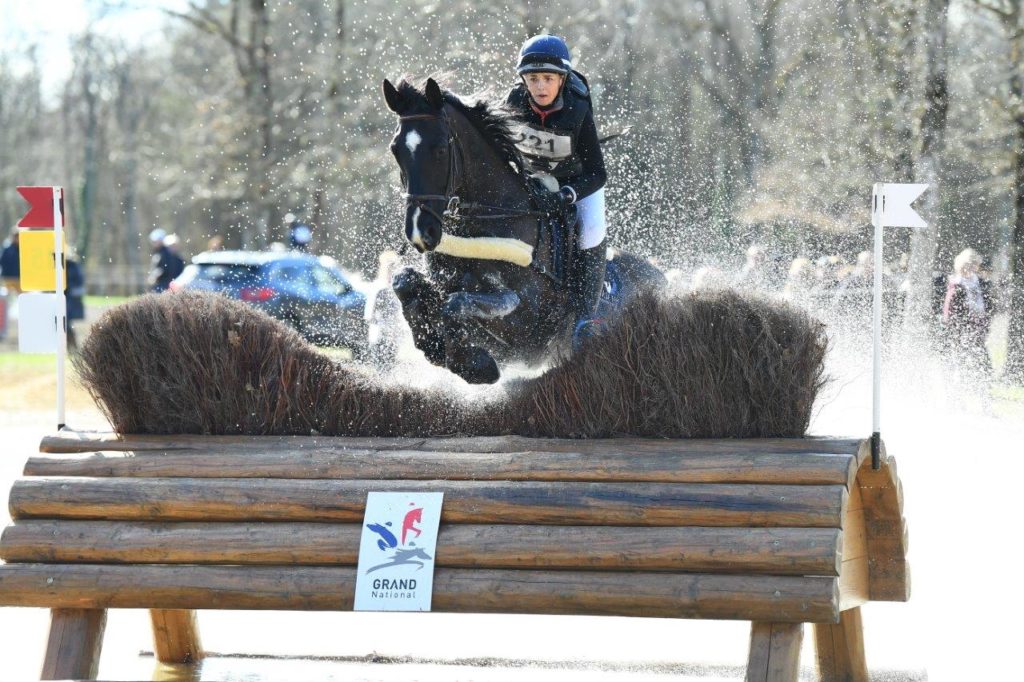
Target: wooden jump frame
[(777, 532)]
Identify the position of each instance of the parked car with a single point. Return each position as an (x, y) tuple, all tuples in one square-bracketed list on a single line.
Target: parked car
[(309, 293)]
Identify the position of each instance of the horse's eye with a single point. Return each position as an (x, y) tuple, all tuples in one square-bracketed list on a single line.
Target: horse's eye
[(440, 151)]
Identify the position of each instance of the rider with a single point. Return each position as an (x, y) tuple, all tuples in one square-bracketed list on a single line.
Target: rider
[(553, 102)]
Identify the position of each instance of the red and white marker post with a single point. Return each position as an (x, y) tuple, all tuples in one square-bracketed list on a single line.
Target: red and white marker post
[(46, 212)]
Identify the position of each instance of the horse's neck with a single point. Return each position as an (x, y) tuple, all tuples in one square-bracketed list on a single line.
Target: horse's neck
[(486, 176)]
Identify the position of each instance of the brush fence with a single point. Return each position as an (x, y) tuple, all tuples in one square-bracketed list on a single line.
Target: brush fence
[(776, 532)]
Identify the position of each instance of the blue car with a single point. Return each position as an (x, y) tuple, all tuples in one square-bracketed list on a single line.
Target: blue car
[(309, 293)]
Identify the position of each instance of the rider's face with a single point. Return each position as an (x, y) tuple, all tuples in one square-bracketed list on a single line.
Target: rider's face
[(543, 86)]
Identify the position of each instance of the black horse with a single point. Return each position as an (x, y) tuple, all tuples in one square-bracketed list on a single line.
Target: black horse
[(494, 292)]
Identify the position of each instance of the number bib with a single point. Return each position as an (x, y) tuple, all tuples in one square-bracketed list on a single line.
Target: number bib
[(543, 144)]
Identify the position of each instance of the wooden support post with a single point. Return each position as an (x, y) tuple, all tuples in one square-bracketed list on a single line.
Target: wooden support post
[(176, 636), (774, 652), (73, 647), (840, 649)]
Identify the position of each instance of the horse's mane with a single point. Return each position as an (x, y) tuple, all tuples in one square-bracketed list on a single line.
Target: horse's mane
[(491, 119)]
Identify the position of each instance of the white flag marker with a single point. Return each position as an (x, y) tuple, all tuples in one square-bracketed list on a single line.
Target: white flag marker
[(890, 207)]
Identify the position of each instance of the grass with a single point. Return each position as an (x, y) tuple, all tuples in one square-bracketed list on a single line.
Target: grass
[(14, 361), (34, 379)]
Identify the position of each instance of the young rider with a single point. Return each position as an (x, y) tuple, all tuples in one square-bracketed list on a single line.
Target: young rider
[(560, 139)]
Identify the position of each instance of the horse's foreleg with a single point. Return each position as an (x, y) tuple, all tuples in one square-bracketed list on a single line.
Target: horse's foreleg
[(421, 306), (464, 306), (462, 309)]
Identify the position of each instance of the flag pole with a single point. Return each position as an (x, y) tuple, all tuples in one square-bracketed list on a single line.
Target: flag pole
[(62, 308), (877, 210)]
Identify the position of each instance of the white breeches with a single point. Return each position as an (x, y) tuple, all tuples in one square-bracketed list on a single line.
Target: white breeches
[(592, 225)]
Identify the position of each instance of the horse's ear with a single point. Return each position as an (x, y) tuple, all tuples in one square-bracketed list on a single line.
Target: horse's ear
[(391, 96), (433, 93)]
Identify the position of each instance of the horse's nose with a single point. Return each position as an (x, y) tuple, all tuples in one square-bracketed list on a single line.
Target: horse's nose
[(422, 229)]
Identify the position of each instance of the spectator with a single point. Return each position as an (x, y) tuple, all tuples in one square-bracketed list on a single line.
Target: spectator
[(161, 264), (827, 272), (800, 282), (855, 288), (74, 294), (10, 279), (215, 243), (753, 274), (299, 234), (177, 263), (708, 277), (967, 313), (10, 263)]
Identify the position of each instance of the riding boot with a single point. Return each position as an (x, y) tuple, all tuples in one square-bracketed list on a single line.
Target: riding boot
[(587, 285)]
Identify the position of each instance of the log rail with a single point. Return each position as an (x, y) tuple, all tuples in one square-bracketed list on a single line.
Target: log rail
[(777, 532)]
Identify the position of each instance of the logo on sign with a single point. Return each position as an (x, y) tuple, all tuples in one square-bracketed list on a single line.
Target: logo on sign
[(404, 552), (396, 554)]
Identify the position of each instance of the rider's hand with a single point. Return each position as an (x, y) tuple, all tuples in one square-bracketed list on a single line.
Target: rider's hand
[(538, 186), (547, 201)]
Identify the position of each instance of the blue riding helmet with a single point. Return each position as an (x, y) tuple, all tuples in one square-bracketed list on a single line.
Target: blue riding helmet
[(544, 53)]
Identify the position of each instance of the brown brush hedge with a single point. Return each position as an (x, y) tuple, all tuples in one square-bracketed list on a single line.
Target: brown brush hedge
[(716, 364)]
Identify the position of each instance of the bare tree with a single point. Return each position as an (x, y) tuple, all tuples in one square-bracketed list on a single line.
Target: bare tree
[(22, 117), (1010, 14), (924, 242), (246, 30)]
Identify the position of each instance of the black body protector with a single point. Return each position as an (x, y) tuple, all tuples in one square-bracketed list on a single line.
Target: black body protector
[(562, 142)]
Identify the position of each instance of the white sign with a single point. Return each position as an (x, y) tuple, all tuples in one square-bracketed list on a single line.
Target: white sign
[(37, 322), (537, 142), (890, 204), (396, 552)]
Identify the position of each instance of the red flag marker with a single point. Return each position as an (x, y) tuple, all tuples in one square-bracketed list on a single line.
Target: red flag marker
[(40, 212)]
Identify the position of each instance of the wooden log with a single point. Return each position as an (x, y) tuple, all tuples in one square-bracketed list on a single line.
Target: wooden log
[(630, 504), (176, 636), (583, 465), (74, 643), (854, 571), (777, 551), (774, 652), (656, 595), (90, 441), (885, 527), (840, 649)]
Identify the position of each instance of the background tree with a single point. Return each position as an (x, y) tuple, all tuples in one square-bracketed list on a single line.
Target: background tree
[(763, 120), (924, 243)]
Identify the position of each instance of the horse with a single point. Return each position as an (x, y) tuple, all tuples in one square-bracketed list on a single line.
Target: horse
[(494, 292)]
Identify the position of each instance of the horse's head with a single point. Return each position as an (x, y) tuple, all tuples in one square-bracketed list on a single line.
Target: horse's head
[(425, 151)]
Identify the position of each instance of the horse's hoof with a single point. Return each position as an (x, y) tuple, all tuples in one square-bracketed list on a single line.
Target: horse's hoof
[(407, 283), (476, 367)]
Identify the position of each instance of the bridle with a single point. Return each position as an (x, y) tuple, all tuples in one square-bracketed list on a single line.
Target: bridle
[(450, 199), (454, 208)]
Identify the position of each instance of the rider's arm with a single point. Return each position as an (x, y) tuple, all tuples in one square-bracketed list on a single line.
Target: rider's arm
[(593, 176)]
